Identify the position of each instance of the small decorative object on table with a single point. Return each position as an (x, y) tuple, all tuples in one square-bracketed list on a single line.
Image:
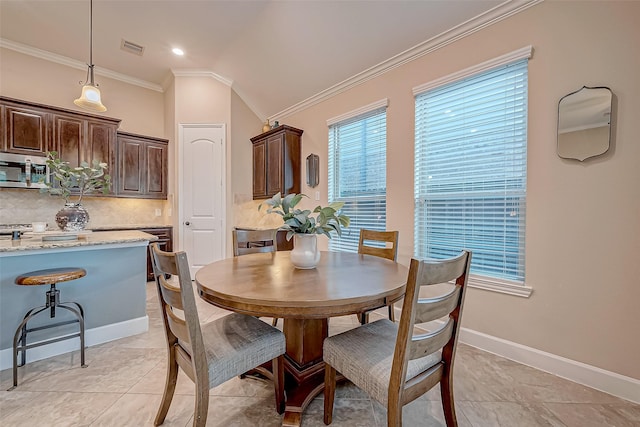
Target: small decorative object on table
[(304, 228), (67, 180)]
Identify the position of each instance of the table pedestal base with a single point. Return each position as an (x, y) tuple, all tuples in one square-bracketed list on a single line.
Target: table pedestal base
[(303, 365)]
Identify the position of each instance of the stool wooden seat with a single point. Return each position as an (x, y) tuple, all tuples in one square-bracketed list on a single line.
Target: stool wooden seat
[(47, 277)]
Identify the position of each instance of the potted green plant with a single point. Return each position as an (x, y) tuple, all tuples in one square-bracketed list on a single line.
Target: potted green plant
[(304, 227), (66, 181)]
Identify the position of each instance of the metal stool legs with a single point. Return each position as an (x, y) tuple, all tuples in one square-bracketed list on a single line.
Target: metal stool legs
[(52, 301)]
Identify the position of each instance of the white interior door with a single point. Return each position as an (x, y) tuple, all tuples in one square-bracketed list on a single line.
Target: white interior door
[(201, 199)]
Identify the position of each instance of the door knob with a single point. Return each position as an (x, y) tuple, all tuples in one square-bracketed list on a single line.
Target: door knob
[(187, 223)]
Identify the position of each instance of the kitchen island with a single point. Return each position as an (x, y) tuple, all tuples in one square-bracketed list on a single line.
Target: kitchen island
[(112, 293)]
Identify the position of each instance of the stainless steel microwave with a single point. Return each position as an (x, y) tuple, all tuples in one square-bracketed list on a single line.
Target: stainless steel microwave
[(23, 171)]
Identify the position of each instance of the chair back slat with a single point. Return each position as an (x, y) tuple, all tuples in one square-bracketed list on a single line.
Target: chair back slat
[(170, 294), (179, 328), (254, 241), (426, 344), (389, 252), (429, 309), (441, 271)]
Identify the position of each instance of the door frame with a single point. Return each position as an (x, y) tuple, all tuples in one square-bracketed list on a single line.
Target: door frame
[(223, 195)]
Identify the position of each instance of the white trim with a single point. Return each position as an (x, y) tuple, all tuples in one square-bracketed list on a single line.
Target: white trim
[(93, 336), (500, 285), (498, 13), (609, 382), (522, 53), (79, 65), (358, 111), (202, 73)]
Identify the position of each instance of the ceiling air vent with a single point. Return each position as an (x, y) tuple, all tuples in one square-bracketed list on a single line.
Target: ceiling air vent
[(132, 47)]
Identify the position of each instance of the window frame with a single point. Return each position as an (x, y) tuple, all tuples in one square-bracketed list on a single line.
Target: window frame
[(495, 284), (362, 113)]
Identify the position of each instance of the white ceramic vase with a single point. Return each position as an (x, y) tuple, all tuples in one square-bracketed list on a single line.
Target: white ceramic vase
[(305, 253)]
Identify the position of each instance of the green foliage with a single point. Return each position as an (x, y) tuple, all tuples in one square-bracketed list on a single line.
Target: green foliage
[(328, 218), (81, 180)]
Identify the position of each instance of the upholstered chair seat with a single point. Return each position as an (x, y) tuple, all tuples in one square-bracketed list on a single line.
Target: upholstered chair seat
[(369, 366)]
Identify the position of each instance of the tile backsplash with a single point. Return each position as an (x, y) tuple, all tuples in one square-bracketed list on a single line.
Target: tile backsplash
[(18, 206)]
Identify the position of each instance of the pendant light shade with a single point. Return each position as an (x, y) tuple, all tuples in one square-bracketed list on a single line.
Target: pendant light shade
[(90, 97)]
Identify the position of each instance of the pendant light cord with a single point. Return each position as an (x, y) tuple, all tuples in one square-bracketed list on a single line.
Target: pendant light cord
[(90, 70), (91, 33)]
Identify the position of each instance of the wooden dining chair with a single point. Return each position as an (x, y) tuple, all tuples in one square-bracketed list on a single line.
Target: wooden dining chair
[(396, 362), (212, 353), (254, 241), (383, 244)]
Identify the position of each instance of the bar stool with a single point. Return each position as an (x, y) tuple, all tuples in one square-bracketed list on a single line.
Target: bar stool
[(47, 277)]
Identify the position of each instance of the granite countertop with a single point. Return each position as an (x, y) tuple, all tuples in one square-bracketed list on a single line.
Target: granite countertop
[(33, 241), (127, 227)]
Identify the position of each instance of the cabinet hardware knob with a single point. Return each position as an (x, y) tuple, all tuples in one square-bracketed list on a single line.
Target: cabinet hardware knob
[(187, 223)]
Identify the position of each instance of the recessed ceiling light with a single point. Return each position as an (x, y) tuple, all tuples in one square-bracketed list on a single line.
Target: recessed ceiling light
[(177, 51)]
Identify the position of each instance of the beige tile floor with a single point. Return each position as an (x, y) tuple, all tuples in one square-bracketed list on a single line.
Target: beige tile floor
[(123, 384)]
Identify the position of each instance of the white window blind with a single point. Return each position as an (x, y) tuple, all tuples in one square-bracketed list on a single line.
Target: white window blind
[(471, 168), (357, 174)]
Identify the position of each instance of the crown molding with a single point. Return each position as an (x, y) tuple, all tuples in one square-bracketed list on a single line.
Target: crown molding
[(498, 13), (358, 111), (79, 65), (201, 73)]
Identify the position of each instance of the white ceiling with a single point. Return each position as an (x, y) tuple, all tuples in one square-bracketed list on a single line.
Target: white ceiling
[(276, 54)]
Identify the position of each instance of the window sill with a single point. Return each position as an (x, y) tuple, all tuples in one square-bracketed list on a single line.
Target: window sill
[(500, 285)]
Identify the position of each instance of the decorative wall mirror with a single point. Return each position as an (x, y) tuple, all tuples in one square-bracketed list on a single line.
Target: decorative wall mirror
[(584, 123), (313, 170)]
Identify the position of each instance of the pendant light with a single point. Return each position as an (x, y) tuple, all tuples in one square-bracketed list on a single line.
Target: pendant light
[(90, 97)]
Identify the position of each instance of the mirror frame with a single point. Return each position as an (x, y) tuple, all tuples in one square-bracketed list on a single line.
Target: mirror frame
[(582, 158), (313, 170)]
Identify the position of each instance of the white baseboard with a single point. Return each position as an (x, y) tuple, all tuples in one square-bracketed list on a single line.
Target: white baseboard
[(609, 382), (92, 337)]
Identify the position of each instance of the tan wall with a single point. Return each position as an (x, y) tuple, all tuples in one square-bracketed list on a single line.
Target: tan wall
[(32, 79), (201, 99), (141, 111), (583, 228)]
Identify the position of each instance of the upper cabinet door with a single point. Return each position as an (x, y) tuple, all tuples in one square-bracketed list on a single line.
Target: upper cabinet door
[(27, 130), (156, 170), (101, 146), (130, 167), (68, 136), (259, 169), (275, 144)]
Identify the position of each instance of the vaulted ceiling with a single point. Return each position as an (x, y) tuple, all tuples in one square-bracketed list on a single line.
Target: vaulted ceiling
[(275, 54)]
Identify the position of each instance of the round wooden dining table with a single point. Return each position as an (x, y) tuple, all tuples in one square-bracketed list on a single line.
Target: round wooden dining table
[(267, 284)]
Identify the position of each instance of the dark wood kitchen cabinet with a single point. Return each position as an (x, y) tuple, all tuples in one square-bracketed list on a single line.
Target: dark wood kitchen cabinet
[(276, 162), (30, 128), (142, 166), (165, 242), (80, 138), (25, 128)]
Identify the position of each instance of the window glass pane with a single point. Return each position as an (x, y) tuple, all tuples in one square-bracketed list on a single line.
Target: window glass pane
[(470, 178), (357, 175)]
